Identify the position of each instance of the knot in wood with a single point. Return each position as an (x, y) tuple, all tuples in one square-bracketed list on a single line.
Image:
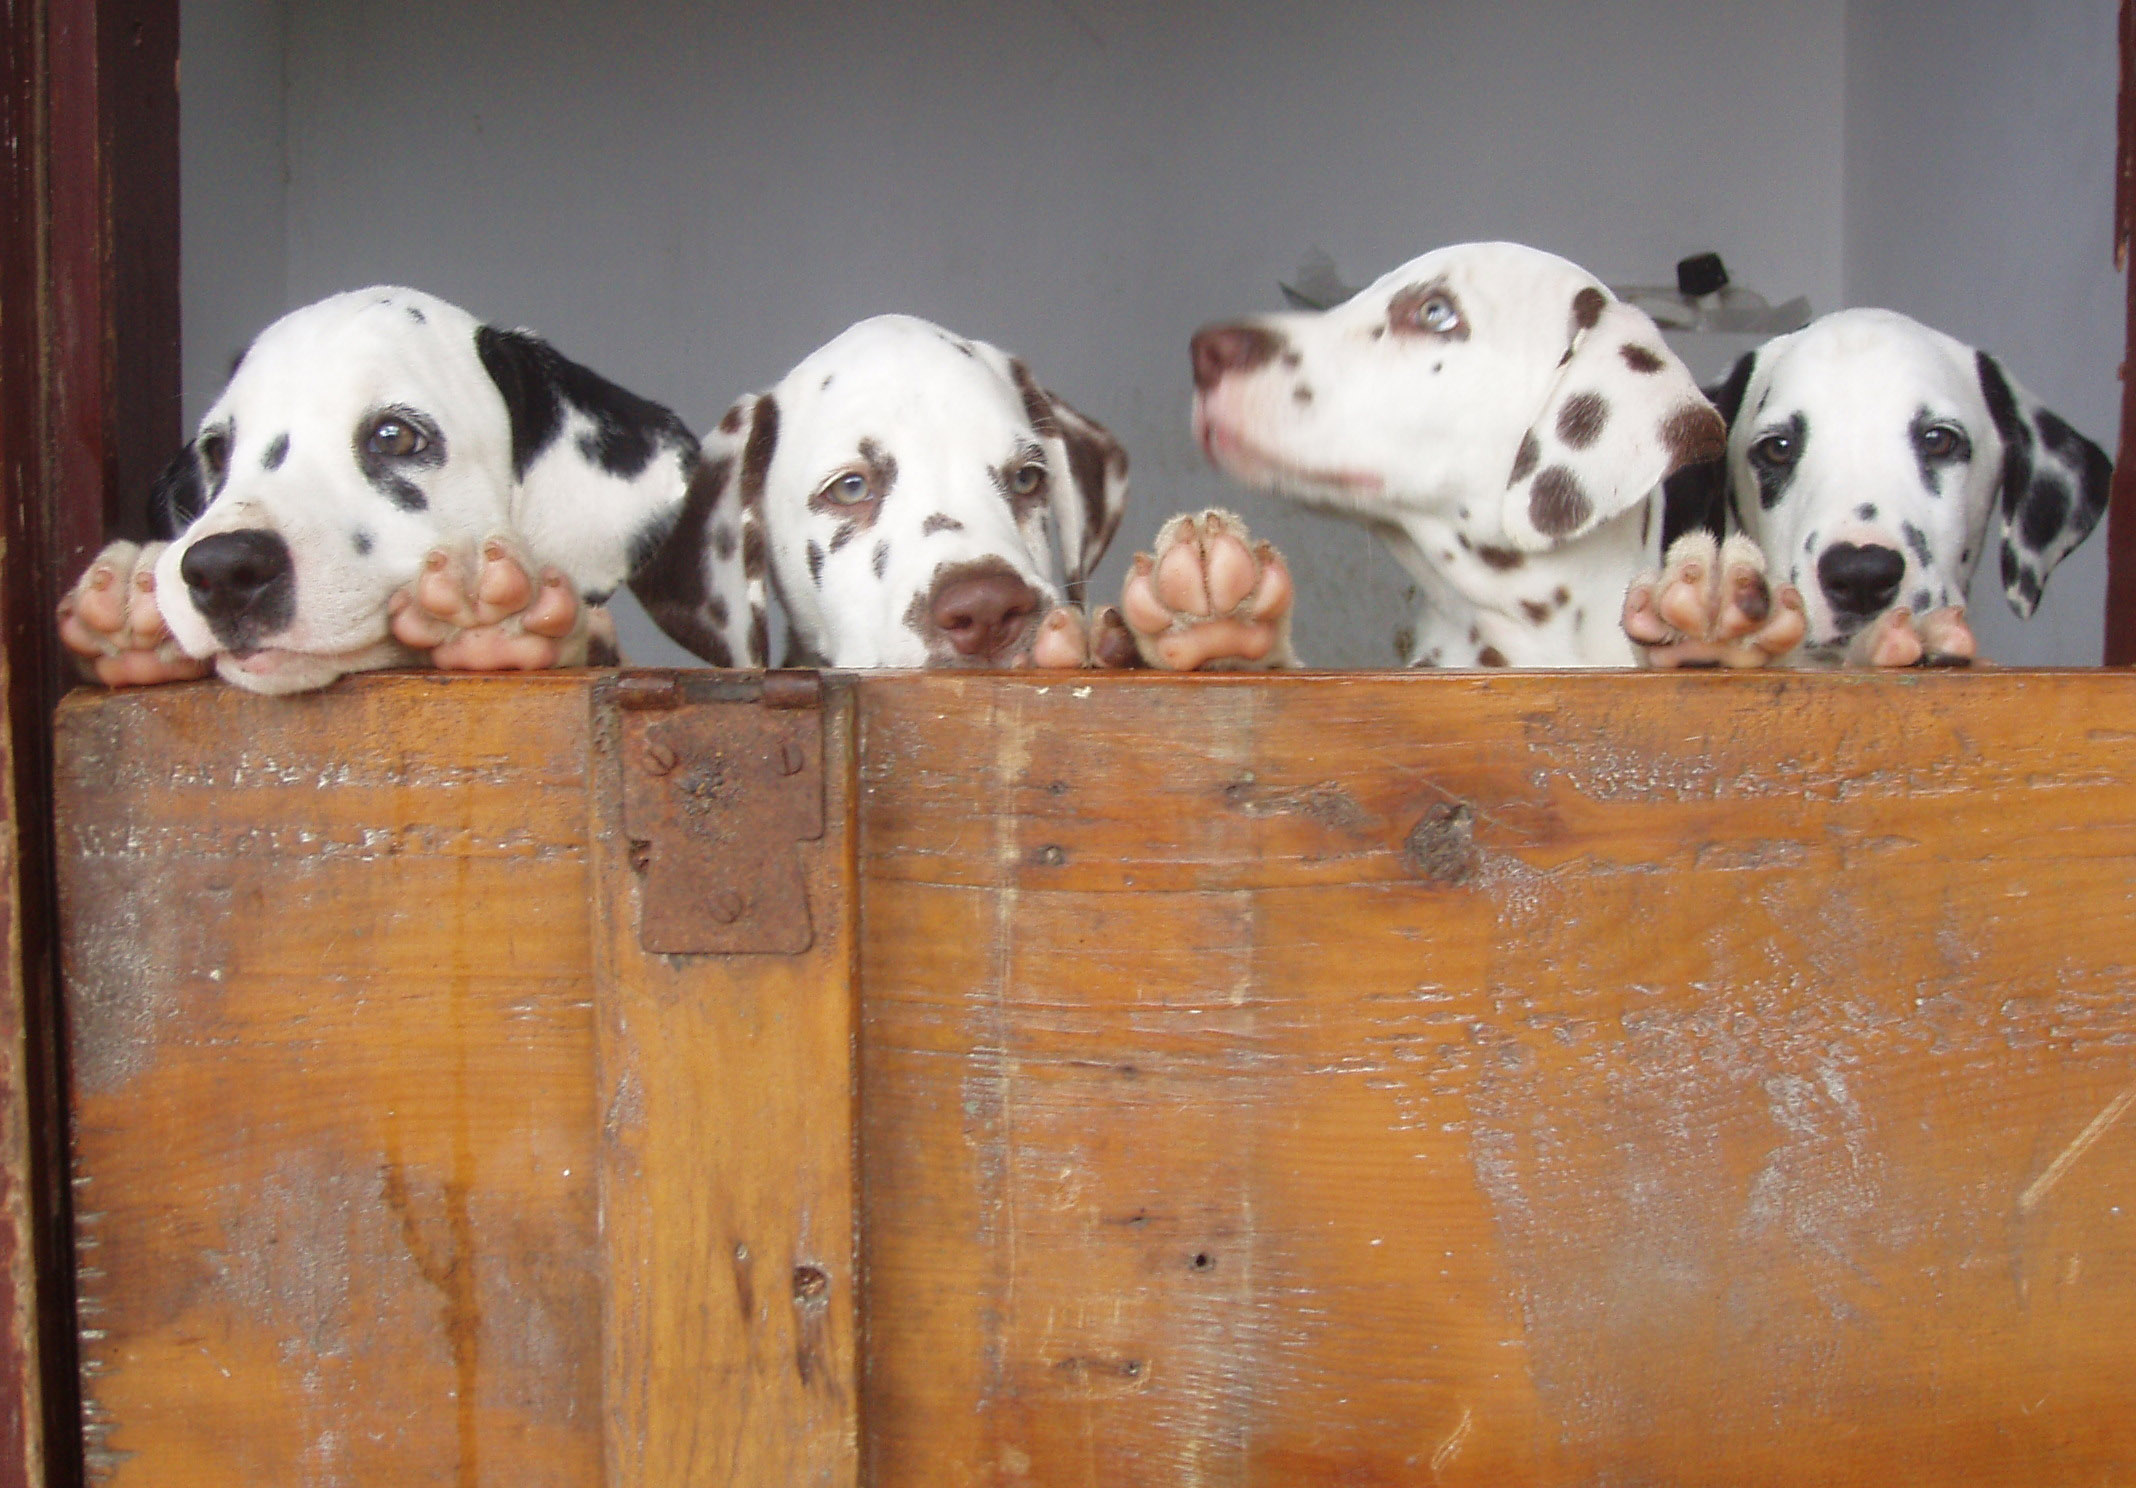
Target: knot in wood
[(1442, 846)]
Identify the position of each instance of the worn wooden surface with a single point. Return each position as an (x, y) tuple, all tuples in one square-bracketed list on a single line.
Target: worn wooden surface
[(329, 971), (726, 1098), (1499, 1080)]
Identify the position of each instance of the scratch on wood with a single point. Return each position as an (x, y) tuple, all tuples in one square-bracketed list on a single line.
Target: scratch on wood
[(1451, 1447), (2102, 1123)]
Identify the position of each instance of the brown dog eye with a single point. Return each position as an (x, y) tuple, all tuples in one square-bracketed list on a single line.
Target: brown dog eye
[(395, 439), (1028, 480), (848, 488), (1942, 442)]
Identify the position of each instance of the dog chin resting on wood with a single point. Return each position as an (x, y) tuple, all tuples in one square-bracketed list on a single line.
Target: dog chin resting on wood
[(386, 481)]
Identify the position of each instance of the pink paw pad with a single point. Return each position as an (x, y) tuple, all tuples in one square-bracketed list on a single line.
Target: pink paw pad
[(1712, 605), (1210, 596), (499, 617), (110, 622)]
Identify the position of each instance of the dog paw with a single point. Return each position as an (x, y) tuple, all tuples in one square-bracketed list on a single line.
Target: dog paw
[(110, 622), (1712, 605), (494, 615), (1210, 598), (1068, 638), (1896, 638)]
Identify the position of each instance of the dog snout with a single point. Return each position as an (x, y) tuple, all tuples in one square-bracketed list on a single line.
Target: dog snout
[(1860, 579), (1222, 349), (241, 575), (985, 615)]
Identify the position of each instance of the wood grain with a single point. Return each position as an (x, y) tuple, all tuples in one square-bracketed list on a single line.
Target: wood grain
[(329, 966), (1499, 1080), (727, 1161)]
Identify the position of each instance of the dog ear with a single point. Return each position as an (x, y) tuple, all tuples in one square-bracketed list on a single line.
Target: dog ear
[(704, 583), (1695, 498), (178, 497), (1089, 478), (2053, 489), (1622, 413)]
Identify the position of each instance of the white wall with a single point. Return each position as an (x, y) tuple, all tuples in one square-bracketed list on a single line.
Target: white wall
[(1979, 198)]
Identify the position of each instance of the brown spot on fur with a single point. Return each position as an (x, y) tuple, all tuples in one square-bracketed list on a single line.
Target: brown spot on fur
[(1491, 656), (881, 560), (815, 562), (1580, 421), (846, 532), (730, 422), (1587, 307), (940, 522), (1503, 559), (1639, 359), (1561, 596), (754, 556), (763, 443), (1536, 611), (671, 580), (1038, 408), (1693, 433), (759, 632), (1525, 459), (1556, 504), (723, 541)]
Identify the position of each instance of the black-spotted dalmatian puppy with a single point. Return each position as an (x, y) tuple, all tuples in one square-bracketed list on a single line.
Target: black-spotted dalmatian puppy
[(386, 481), (1503, 423), (1868, 454), (913, 485)]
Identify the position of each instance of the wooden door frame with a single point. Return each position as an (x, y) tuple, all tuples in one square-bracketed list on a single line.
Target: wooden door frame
[(2121, 512), (89, 410)]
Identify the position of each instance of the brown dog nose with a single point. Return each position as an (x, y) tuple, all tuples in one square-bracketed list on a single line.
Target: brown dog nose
[(984, 614), (1231, 348)]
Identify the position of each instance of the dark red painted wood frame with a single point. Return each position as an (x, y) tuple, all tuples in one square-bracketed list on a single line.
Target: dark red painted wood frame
[(89, 390)]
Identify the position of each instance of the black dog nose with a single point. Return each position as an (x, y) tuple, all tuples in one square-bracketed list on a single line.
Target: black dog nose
[(1230, 348), (1861, 580), (984, 614), (233, 575)]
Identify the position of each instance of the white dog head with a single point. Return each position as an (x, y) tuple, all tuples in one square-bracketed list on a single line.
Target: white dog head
[(1867, 454), (906, 480), (358, 434), (1488, 383)]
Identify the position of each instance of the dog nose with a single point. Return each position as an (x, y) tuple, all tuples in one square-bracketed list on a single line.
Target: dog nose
[(1860, 579), (235, 574), (1231, 348), (984, 614)]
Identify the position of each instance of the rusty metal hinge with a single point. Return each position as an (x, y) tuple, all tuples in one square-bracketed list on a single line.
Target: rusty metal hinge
[(716, 796)]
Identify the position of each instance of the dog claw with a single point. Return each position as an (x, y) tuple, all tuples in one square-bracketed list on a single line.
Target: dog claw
[(1712, 605), (111, 624), (1210, 597), (497, 618)]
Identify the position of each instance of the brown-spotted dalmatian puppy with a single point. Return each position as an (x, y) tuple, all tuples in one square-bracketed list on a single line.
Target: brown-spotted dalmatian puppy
[(912, 486), (1503, 423), (1868, 454), (386, 481)]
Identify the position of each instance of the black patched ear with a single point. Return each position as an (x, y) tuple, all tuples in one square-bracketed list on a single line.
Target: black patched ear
[(1622, 414), (2053, 489), (621, 433), (178, 497), (1089, 489), (703, 580), (1695, 498)]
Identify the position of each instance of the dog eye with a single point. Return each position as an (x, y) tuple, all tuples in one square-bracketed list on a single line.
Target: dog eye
[(1028, 480), (847, 488), (1774, 449), (1943, 442), (214, 450), (1437, 315), (395, 439)]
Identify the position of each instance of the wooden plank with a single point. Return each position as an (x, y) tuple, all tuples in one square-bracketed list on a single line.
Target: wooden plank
[(328, 964), (727, 1165), (1509, 1080)]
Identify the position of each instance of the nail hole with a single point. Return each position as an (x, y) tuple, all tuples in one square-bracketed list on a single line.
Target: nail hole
[(1203, 1261), (810, 1283)]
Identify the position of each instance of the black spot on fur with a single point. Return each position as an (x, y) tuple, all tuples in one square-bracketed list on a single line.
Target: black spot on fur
[(1866, 511), (1639, 359), (1525, 459), (276, 452), (880, 561), (415, 314), (176, 498), (1580, 421), (1556, 504), (1916, 543), (538, 384), (2046, 508), (1587, 307), (362, 543), (1775, 476), (390, 475), (1919, 601), (815, 563)]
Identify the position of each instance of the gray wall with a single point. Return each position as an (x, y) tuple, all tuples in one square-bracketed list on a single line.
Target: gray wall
[(692, 200), (1980, 194)]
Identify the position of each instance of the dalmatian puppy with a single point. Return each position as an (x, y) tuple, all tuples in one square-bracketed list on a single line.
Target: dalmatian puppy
[(912, 485), (1869, 454), (1503, 423), (385, 481)]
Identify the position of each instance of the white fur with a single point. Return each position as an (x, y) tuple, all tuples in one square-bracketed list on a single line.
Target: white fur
[(1416, 435)]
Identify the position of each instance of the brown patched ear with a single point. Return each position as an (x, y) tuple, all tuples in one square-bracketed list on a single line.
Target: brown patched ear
[(1622, 413), (1088, 468), (704, 584)]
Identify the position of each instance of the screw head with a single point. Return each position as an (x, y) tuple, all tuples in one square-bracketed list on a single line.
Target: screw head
[(790, 760), (726, 906), (658, 758)]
